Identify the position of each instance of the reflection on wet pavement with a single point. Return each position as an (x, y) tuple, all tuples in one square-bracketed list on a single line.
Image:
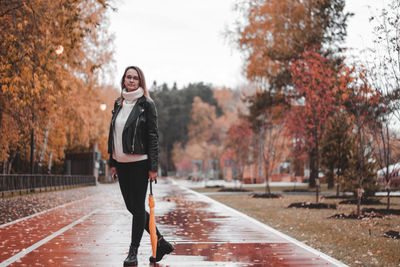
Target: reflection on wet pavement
[(203, 232)]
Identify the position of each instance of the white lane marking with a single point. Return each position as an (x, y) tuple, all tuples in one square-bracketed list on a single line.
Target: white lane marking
[(44, 240), (42, 212), (288, 238)]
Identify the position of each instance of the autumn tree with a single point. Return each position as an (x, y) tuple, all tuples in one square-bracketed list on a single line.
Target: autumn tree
[(276, 147), (47, 57), (267, 112), (174, 111), (362, 103), (205, 131), (380, 128), (314, 91), (383, 62), (207, 127), (383, 59), (278, 31), (239, 140), (275, 33)]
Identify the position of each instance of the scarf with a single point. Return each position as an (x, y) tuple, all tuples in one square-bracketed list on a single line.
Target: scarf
[(132, 96)]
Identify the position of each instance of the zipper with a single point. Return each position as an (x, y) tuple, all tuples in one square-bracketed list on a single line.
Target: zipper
[(134, 135)]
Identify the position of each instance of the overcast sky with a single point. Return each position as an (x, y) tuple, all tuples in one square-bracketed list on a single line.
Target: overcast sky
[(183, 41)]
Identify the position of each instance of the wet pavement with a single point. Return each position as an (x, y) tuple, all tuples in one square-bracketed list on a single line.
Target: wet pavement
[(95, 231), (19, 206)]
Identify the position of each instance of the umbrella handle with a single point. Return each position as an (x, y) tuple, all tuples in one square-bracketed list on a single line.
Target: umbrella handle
[(151, 188)]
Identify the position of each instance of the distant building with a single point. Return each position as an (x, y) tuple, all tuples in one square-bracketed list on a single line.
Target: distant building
[(394, 175)]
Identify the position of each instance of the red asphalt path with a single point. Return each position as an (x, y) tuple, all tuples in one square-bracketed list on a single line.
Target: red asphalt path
[(95, 231)]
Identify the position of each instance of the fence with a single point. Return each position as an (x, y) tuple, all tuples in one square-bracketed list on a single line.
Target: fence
[(29, 182)]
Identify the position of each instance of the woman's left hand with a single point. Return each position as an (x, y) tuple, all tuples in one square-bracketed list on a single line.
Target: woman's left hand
[(152, 175)]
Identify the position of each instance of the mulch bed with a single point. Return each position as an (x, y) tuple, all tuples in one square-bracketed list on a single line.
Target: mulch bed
[(338, 197), (364, 215), (392, 234), (214, 186), (266, 195), (308, 205), (371, 201), (233, 190), (298, 190), (382, 211)]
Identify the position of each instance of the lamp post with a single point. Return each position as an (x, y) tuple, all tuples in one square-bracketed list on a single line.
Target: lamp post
[(100, 166), (59, 50), (103, 107)]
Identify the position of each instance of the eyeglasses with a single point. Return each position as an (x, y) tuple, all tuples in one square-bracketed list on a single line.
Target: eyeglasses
[(129, 77)]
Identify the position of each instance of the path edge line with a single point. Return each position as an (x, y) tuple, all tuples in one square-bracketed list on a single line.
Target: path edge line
[(42, 212), (29, 249)]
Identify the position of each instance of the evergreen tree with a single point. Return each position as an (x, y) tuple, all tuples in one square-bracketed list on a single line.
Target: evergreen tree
[(174, 109), (351, 181), (336, 146)]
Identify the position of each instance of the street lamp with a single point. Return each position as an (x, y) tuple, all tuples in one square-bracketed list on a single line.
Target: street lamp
[(103, 107), (59, 50)]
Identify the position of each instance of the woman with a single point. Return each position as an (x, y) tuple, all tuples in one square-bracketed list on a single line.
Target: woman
[(133, 149)]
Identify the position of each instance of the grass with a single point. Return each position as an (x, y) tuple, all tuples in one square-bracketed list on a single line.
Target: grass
[(354, 242)]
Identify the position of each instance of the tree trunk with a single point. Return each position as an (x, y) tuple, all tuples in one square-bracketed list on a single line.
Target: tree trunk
[(313, 172), (241, 173), (331, 179), (32, 150), (50, 162), (42, 153), (9, 165), (359, 195), (10, 161), (388, 163), (268, 189), (361, 178), (318, 182), (337, 189), (4, 167)]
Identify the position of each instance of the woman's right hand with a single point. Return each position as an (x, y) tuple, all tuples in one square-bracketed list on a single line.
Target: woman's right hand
[(113, 172)]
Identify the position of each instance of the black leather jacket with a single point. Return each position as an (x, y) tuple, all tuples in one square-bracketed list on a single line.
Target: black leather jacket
[(140, 131)]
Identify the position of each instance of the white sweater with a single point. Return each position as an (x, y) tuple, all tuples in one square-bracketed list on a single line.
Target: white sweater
[(130, 99)]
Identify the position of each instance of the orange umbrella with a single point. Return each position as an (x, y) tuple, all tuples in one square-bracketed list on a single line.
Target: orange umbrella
[(152, 222)]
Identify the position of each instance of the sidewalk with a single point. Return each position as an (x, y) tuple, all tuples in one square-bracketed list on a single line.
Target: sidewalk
[(95, 231)]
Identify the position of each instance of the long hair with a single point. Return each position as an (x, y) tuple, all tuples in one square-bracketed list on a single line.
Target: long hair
[(142, 82)]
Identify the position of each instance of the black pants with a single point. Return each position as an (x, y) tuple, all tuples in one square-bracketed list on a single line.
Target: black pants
[(133, 180)]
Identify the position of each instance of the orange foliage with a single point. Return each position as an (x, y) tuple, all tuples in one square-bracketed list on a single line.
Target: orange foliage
[(50, 91), (202, 119), (206, 131), (276, 32)]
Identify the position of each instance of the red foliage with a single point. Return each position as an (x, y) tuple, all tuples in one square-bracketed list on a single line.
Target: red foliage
[(239, 139), (314, 82)]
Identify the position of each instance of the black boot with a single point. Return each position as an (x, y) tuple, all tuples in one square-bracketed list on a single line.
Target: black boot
[(131, 260), (163, 247)]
